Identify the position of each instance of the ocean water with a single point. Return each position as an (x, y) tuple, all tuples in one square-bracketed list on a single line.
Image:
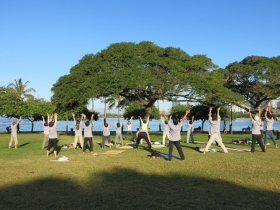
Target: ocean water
[(25, 125)]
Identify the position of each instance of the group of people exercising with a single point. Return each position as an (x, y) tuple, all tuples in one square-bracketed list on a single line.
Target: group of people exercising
[(171, 130)]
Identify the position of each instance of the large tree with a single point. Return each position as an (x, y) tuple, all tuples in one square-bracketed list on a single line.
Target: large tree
[(256, 78), (36, 108), (10, 103), (21, 89), (143, 73)]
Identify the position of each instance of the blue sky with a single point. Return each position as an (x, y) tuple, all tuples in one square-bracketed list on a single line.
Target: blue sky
[(41, 40)]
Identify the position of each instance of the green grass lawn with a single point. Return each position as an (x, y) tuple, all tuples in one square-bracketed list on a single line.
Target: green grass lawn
[(134, 180)]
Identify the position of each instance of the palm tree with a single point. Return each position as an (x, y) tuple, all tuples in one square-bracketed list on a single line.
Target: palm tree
[(121, 103), (21, 90)]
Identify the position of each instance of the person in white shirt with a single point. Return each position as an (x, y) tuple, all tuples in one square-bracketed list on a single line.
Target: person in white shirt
[(144, 123), (88, 133), (129, 127), (118, 132), (190, 130), (256, 130), (175, 134), (78, 131), (46, 130), (14, 133), (215, 121), (106, 133), (269, 128), (53, 135), (165, 129)]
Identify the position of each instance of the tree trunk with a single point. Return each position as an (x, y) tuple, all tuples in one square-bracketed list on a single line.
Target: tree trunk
[(118, 110), (230, 120), (32, 125), (148, 111), (92, 104), (159, 124), (104, 117), (67, 122), (202, 125)]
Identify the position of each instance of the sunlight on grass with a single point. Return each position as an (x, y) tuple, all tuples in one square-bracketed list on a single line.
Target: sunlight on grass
[(134, 169)]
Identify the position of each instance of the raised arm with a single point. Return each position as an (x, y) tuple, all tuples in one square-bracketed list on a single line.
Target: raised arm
[(269, 110), (43, 119), (218, 112), (192, 119), (250, 114), (83, 117), (210, 112), (162, 120), (259, 111), (48, 117), (51, 118), (185, 116), (187, 121), (91, 118), (55, 118), (18, 121), (74, 119), (140, 119), (163, 114), (265, 114)]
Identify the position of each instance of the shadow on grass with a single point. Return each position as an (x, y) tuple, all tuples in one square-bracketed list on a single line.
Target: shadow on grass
[(193, 148), (24, 144), (58, 149), (128, 189)]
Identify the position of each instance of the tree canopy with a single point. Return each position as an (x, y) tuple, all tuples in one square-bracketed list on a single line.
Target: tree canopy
[(142, 73), (10, 103), (255, 78)]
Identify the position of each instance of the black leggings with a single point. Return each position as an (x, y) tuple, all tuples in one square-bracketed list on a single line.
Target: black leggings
[(143, 135), (257, 138), (179, 148), (104, 139), (52, 143), (86, 140)]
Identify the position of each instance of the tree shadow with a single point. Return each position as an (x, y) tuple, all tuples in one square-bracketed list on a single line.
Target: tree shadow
[(124, 188)]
